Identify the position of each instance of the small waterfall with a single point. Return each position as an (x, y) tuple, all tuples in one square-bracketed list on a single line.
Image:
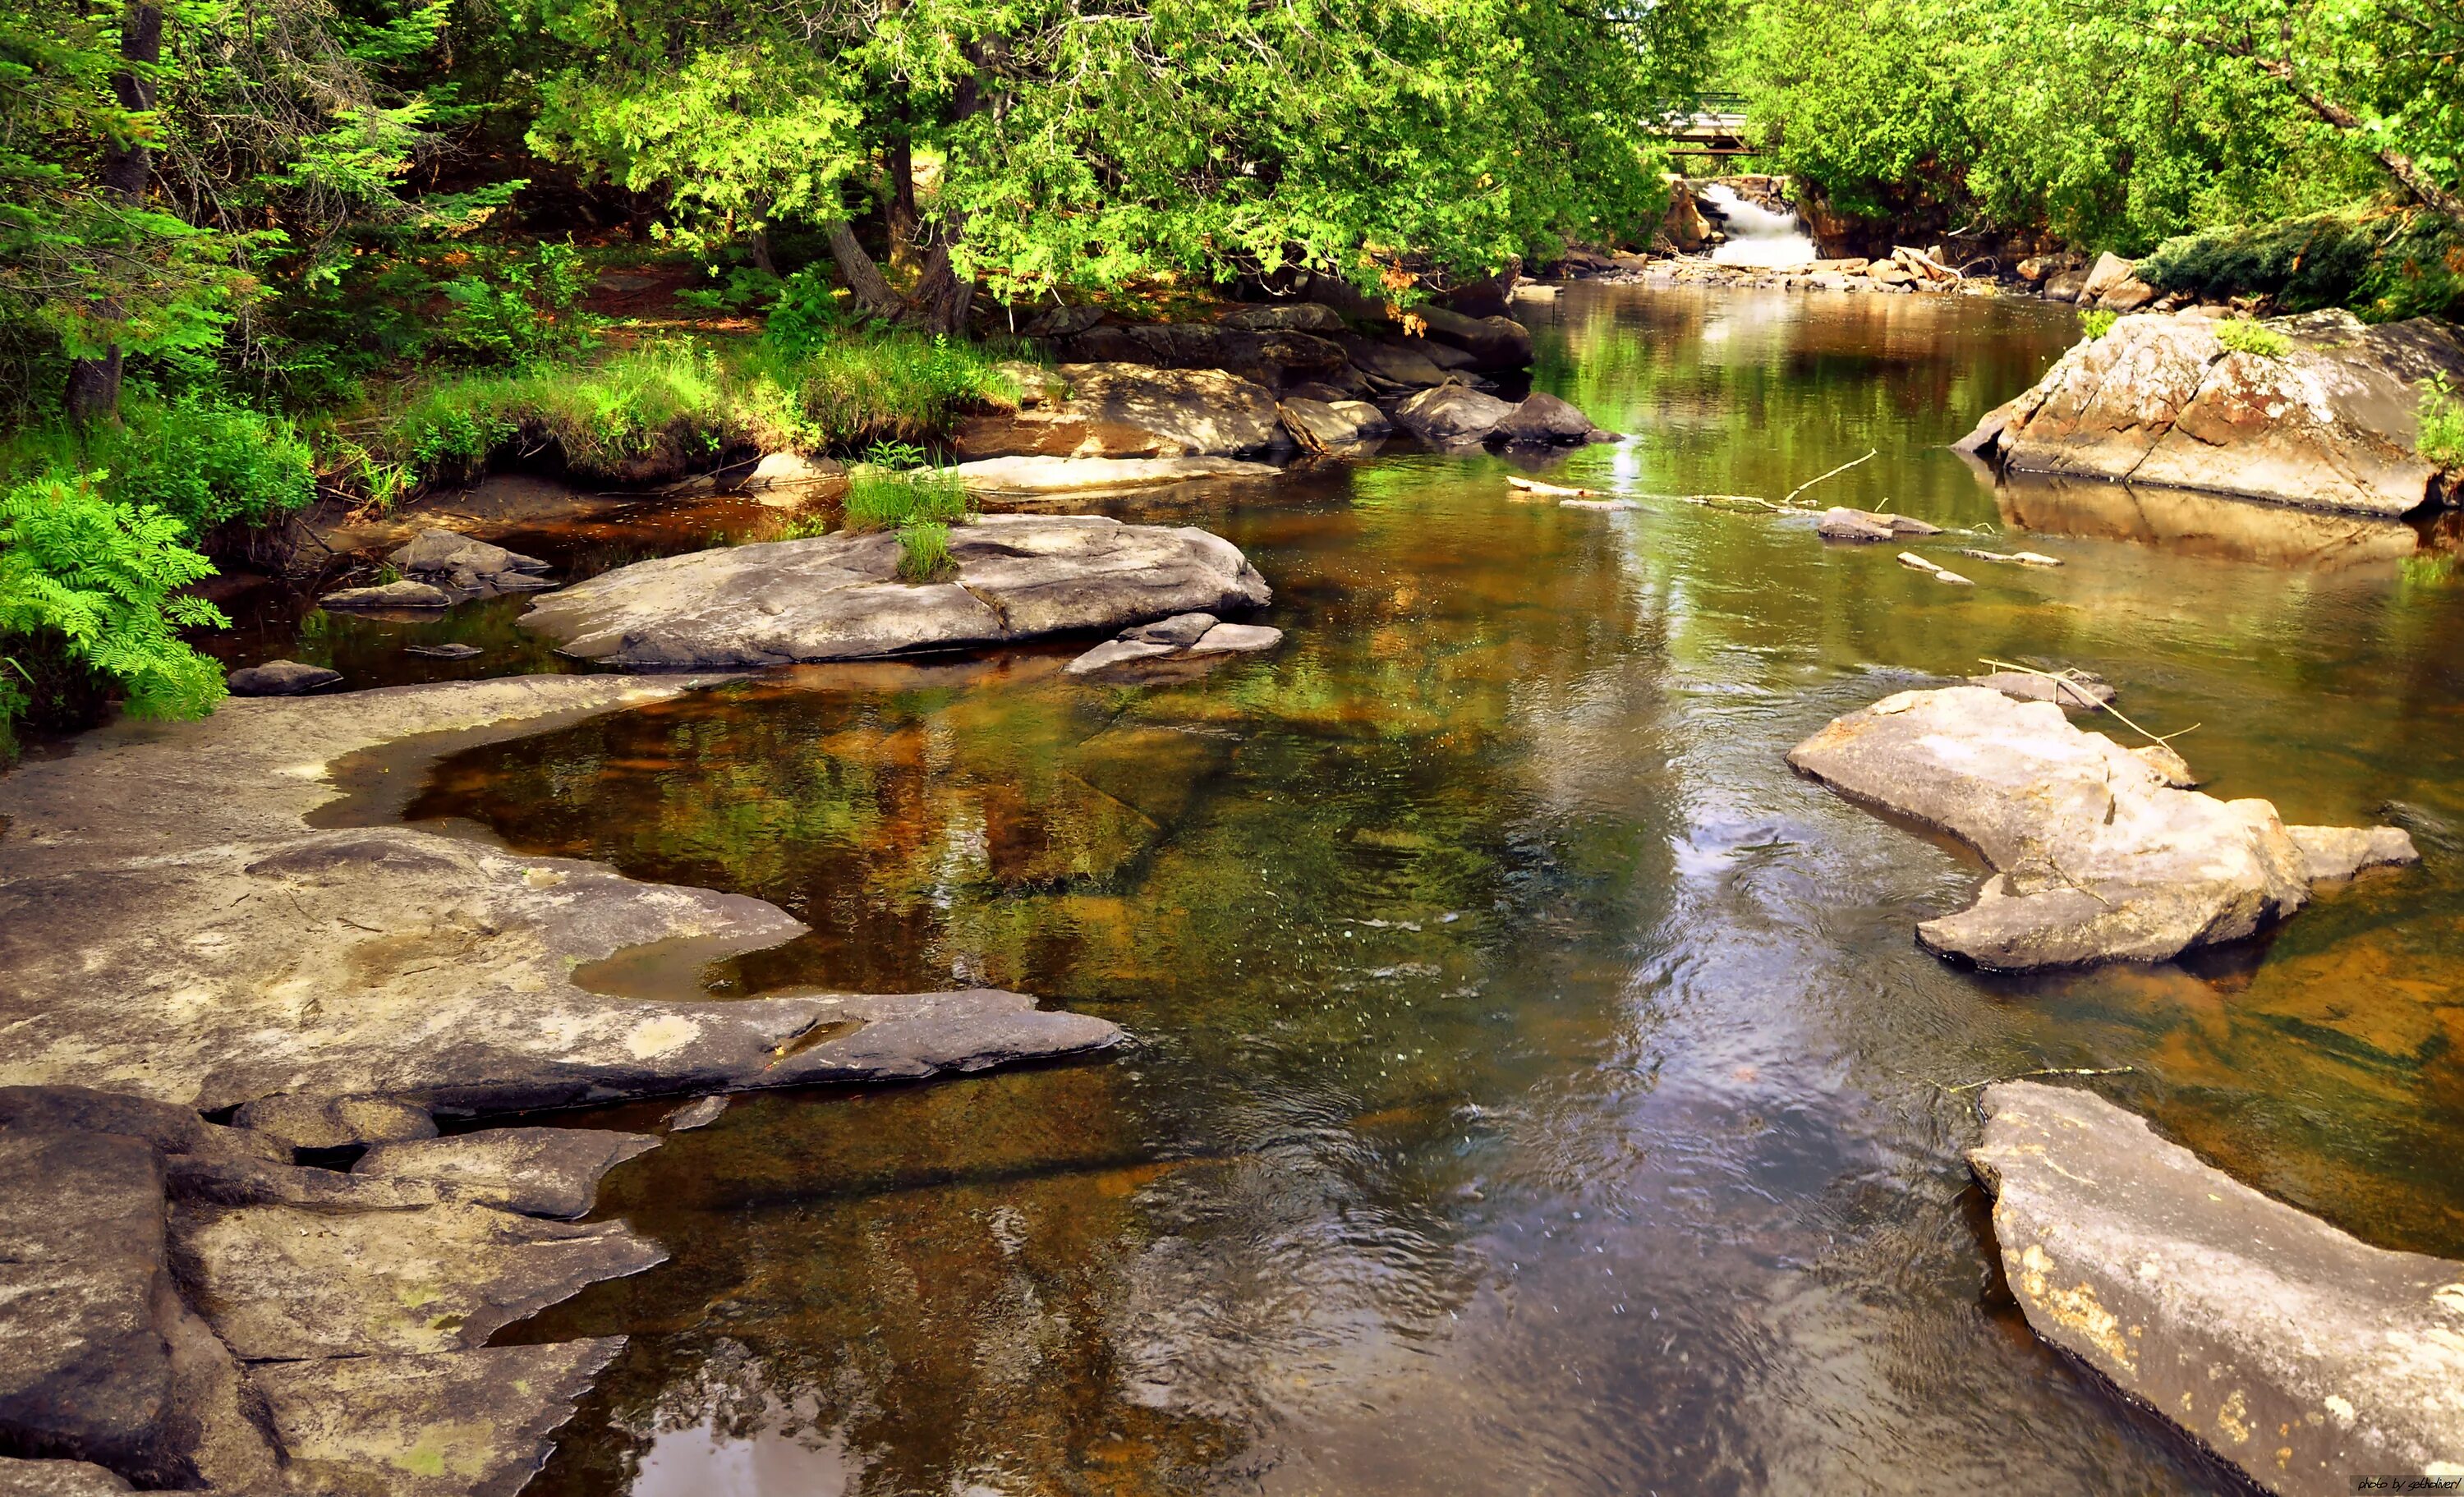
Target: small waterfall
[(1756, 235)]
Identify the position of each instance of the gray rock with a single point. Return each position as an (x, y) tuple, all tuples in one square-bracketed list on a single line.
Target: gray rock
[(452, 651), (1331, 425), (700, 1113), (2330, 424), (837, 598), (85, 1372), (785, 481), (472, 1423), (1451, 414), (2098, 858), (1392, 364), (280, 678), (2076, 692), (2174, 770), (282, 1282), (167, 1125), (2065, 285), (466, 566), (1115, 653), (1238, 639), (313, 1122), (2292, 1351), (1063, 321), (539, 1171), (1908, 525), (1492, 342), (56, 1479), (1090, 474), (1270, 360), (404, 594), (2339, 852), (1115, 410), (1847, 524), (1180, 631), (1293, 317), (255, 1183), (174, 930), (2109, 272), (1543, 419)]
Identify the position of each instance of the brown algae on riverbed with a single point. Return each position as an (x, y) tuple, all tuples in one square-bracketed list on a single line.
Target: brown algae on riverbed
[(1536, 1084)]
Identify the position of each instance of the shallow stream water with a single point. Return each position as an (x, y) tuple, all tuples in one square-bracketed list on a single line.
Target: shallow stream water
[(1536, 1087)]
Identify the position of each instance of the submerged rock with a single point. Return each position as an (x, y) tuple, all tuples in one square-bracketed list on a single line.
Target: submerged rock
[(280, 678), (1853, 525), (838, 597), (700, 1113), (1188, 637), (450, 652), (2292, 1351), (2075, 690), (2098, 858), (2330, 424)]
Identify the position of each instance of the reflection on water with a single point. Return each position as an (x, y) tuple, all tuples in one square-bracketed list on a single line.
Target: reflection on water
[(1537, 1086), (2187, 523)]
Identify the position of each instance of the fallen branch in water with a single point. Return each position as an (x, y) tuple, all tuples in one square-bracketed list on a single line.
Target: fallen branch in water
[(2031, 1075), (2013, 558), (2062, 678), (1940, 574), (1819, 478), (1536, 485)]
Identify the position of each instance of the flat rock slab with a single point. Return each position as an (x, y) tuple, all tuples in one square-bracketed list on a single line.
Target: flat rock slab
[(474, 1423), (2098, 858), (539, 1171), (85, 1371), (2074, 693), (2331, 423), (313, 1122), (838, 598), (405, 593), (279, 1283), (173, 930), (56, 1479), (1194, 639), (1115, 410), (1093, 474), (2301, 1355)]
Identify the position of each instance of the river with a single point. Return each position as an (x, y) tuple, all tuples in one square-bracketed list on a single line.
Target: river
[(1536, 1086)]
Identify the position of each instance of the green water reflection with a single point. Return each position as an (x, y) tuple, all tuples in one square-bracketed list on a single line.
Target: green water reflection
[(1536, 1087)]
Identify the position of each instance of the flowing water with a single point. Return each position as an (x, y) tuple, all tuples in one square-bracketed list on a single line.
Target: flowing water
[(1536, 1087), (1756, 234)]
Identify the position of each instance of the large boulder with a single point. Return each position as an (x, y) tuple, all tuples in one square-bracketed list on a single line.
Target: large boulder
[(1130, 410), (1392, 363), (468, 567), (2330, 424), (1332, 426), (2300, 1354), (839, 598), (1452, 414), (1543, 420), (1272, 357), (1288, 316), (2097, 857), (1492, 342), (280, 678)]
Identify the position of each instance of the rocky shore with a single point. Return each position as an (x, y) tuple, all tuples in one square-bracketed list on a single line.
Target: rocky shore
[(194, 924)]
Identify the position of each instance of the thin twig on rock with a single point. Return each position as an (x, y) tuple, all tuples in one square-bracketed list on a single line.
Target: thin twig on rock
[(2063, 679)]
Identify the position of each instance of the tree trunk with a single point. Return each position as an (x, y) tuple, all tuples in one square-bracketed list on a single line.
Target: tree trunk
[(94, 384), (2406, 171), (905, 223), (863, 278)]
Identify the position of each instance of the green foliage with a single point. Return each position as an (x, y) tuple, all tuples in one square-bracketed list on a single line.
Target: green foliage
[(2241, 335), (745, 287), (880, 499), (2114, 125), (100, 583), (2385, 265), (924, 552), (2442, 424), (808, 314), (887, 387), (596, 416), (514, 308), (2096, 324), (201, 460)]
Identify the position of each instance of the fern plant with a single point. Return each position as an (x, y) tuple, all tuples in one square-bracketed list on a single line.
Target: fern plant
[(103, 580)]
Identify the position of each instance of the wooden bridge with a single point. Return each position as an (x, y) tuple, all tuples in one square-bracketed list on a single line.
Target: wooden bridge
[(1717, 128)]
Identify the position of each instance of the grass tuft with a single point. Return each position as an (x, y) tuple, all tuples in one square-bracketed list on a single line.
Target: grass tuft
[(2243, 336), (2441, 440), (2096, 324), (924, 552), (878, 499)]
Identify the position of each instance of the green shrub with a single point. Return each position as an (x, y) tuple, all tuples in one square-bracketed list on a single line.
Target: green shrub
[(98, 582), (809, 313), (2096, 324), (891, 387), (597, 415), (2442, 424), (880, 499), (199, 460), (514, 308), (2385, 265), (924, 551), (2243, 336)]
